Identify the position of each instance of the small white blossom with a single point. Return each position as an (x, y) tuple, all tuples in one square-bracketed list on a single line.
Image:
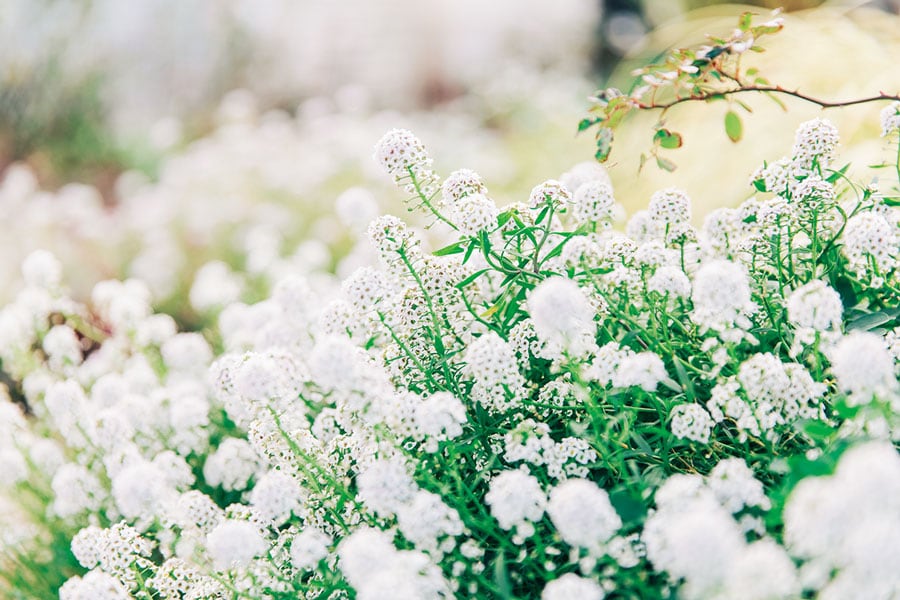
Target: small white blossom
[(308, 548), (690, 421), (863, 367), (234, 544), (890, 119), (583, 514), (562, 314), (516, 500), (570, 586), (815, 305)]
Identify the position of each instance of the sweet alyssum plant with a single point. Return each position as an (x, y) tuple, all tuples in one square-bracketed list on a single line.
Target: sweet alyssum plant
[(547, 407)]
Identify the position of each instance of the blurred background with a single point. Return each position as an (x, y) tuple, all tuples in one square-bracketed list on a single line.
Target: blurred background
[(172, 139)]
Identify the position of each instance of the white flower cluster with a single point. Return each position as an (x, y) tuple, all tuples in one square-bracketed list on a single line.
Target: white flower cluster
[(693, 537), (495, 417), (846, 526)]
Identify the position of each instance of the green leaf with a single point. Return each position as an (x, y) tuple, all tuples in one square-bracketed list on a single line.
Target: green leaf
[(469, 252), (629, 508), (667, 139), (501, 578), (870, 321), (774, 98), (454, 248), (585, 124), (604, 144), (835, 175), (743, 105), (760, 184), (491, 311), (818, 430), (665, 164), (745, 21), (733, 126), (471, 278)]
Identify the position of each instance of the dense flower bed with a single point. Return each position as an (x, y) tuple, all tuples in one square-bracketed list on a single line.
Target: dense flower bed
[(544, 407)]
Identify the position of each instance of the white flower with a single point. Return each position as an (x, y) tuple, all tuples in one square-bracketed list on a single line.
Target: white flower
[(365, 288), (187, 352), (491, 363), (721, 295), (890, 119), (593, 202), (308, 548), (516, 500), (376, 569), (762, 570), (571, 586), (562, 314), (849, 524), (474, 213), (275, 496), (816, 141), (461, 183), (583, 514), (863, 366), (232, 465), (43, 270), (690, 421), (94, 585), (426, 520), (62, 347), (550, 192), (439, 418), (667, 207), (75, 490), (234, 544), (139, 490), (215, 286), (670, 280), (644, 370), (871, 246), (122, 304), (815, 305), (697, 541), (735, 487), (389, 234), (385, 486), (403, 156)]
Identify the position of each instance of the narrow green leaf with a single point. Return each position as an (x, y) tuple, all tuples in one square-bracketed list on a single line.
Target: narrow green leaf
[(471, 278), (733, 126), (469, 252), (454, 248), (745, 21), (491, 311), (870, 321), (501, 578), (835, 175), (774, 98)]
